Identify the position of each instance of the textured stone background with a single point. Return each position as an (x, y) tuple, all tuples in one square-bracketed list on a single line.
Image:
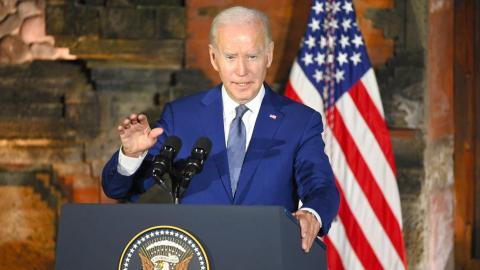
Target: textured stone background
[(58, 118)]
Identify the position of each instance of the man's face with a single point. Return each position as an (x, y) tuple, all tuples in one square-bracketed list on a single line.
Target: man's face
[(241, 58)]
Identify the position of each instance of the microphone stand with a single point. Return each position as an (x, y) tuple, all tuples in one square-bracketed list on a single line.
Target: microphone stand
[(161, 182), (177, 183)]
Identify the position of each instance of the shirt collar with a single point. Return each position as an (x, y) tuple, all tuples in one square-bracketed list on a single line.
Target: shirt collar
[(253, 105)]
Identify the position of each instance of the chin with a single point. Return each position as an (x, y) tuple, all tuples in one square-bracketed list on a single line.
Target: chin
[(242, 94)]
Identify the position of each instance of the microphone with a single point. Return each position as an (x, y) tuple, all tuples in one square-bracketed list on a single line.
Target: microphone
[(162, 162), (194, 163)]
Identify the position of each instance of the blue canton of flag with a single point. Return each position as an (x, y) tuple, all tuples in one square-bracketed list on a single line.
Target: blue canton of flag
[(333, 53)]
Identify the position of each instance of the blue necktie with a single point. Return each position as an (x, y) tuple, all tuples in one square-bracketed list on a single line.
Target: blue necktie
[(237, 140)]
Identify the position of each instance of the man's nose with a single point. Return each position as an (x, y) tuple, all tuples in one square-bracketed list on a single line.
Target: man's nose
[(241, 67)]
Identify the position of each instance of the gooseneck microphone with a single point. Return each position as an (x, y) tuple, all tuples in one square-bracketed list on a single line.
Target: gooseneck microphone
[(199, 154), (193, 164), (184, 170), (162, 163)]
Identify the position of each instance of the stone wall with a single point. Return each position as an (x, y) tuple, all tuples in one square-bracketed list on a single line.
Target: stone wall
[(150, 32), (58, 118), (22, 33), (439, 136), (417, 94)]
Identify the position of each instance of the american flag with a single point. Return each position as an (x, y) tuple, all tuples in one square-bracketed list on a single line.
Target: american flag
[(333, 75)]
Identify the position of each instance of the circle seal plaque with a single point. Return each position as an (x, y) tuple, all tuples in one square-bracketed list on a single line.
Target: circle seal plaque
[(164, 248)]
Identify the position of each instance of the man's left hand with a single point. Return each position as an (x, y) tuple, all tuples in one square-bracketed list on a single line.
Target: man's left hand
[(309, 227)]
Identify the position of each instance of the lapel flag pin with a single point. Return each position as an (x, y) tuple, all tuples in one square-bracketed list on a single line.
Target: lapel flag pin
[(273, 116)]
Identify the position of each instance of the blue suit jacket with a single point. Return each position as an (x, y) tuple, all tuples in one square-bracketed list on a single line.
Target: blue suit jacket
[(284, 162)]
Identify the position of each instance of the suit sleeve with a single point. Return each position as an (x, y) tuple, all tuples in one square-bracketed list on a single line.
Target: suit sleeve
[(314, 175), (129, 188)]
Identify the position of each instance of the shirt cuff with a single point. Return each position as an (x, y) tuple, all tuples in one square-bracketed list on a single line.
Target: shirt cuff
[(129, 165), (313, 212)]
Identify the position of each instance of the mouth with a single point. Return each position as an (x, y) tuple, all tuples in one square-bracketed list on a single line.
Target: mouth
[(242, 84)]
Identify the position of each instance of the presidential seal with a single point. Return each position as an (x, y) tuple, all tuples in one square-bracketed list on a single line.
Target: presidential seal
[(164, 248)]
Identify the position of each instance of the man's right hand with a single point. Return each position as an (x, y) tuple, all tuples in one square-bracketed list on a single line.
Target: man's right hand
[(136, 135)]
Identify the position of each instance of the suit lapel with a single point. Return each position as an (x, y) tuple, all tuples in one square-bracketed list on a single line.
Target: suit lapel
[(268, 120), (213, 121)]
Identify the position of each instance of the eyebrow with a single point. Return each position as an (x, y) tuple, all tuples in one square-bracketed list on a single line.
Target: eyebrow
[(249, 54)]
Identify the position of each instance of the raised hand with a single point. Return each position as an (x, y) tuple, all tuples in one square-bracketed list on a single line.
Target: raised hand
[(136, 135)]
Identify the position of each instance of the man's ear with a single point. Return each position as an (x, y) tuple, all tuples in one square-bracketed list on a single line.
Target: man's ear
[(213, 57), (270, 54)]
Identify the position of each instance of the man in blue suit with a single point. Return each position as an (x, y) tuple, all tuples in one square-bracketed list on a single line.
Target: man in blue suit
[(267, 149)]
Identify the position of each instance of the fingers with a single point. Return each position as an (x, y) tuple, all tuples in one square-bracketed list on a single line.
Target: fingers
[(154, 133), (306, 235), (309, 228), (142, 118), (133, 118), (130, 121)]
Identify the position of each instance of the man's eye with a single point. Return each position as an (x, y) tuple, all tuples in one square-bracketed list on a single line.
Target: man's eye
[(252, 57), (229, 57)]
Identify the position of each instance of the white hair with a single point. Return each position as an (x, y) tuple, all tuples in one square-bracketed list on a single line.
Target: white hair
[(240, 15)]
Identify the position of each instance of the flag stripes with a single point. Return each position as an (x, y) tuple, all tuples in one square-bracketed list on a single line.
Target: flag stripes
[(333, 256), (358, 209), (369, 185), (374, 120), (369, 150), (357, 238)]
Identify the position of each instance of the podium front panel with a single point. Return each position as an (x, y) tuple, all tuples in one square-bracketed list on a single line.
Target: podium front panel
[(234, 237)]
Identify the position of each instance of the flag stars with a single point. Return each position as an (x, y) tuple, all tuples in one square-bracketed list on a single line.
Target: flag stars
[(320, 59), (332, 46), (356, 58), (326, 23), (348, 7), (335, 7), (346, 24), (327, 6), (342, 58), (333, 23), (307, 59), (318, 75), (314, 25), (344, 41), (357, 40), (339, 75), (318, 7), (323, 42), (310, 42)]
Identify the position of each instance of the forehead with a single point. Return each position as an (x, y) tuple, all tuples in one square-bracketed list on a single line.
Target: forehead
[(248, 36)]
